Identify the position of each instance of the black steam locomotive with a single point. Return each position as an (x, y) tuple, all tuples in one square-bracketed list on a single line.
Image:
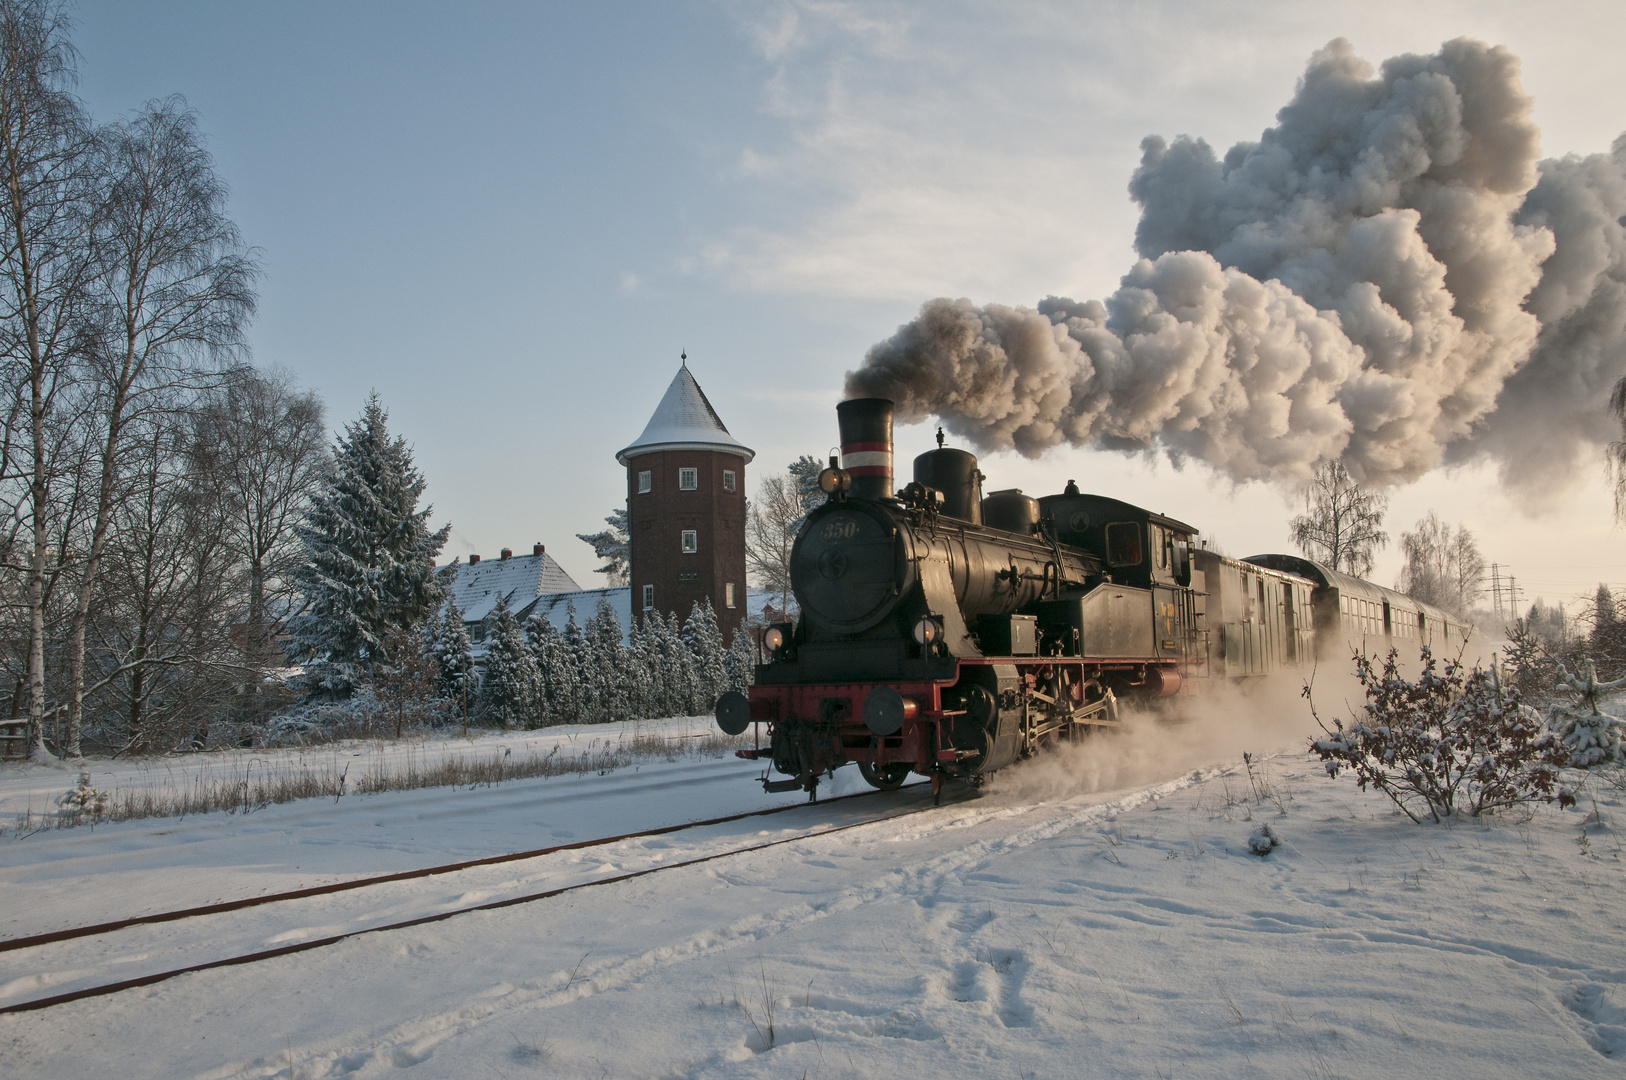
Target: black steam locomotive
[(949, 634)]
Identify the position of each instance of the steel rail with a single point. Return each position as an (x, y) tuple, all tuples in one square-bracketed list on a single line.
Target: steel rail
[(9, 944), (107, 989)]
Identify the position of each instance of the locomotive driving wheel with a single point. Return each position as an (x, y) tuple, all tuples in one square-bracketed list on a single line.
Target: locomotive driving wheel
[(886, 777)]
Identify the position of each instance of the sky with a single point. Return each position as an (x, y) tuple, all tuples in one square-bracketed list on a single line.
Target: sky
[(509, 219)]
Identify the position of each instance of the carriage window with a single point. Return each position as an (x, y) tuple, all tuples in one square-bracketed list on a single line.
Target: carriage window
[(1123, 544)]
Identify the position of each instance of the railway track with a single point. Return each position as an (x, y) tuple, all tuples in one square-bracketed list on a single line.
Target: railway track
[(204, 911)]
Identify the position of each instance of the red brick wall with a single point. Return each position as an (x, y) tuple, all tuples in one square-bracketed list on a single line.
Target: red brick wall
[(656, 521)]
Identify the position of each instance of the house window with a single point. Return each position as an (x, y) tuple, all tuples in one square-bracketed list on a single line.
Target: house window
[(643, 482), (728, 594), (688, 479), (728, 480), (649, 598), (691, 541)]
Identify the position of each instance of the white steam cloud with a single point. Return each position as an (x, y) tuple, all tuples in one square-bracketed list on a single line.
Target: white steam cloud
[(1387, 277)]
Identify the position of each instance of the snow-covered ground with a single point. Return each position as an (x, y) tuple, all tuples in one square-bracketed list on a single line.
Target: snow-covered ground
[(1095, 913)]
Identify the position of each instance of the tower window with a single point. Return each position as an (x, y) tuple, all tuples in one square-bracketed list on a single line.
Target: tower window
[(691, 541), (688, 479), (644, 483), (728, 480), (728, 594), (649, 598)]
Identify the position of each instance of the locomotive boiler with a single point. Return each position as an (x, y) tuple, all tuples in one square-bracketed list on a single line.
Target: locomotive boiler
[(949, 633)]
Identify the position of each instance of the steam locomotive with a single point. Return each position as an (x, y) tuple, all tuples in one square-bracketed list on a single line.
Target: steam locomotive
[(950, 634)]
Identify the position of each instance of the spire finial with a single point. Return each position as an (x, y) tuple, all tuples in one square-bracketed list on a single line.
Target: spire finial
[(685, 357), (939, 438)]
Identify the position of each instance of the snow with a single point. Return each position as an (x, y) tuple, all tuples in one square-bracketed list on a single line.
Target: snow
[(518, 579), (556, 608), (1043, 930), (684, 420)]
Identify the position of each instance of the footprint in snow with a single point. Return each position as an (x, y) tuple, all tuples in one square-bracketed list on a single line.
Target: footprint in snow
[(1603, 1021)]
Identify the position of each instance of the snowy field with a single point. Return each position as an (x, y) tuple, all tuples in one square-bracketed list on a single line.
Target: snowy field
[(1092, 914)]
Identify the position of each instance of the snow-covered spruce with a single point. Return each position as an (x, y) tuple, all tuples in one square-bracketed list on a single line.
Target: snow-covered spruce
[(83, 799), (1263, 841), (613, 546), (511, 691), (742, 660), (369, 557), (705, 642), (606, 671), (454, 652), (1591, 739)]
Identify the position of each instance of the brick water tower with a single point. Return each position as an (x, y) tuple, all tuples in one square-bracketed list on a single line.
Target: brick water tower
[(686, 508)]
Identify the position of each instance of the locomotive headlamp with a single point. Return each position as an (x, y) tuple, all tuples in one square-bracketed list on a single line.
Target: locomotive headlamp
[(773, 639), (833, 480), (927, 630)]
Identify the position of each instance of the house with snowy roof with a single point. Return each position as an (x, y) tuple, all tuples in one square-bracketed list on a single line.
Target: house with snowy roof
[(530, 585)]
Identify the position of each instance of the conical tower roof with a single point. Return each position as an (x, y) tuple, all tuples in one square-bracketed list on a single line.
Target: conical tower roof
[(685, 420)]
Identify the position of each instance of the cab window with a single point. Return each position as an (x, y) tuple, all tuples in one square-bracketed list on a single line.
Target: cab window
[(1123, 544)]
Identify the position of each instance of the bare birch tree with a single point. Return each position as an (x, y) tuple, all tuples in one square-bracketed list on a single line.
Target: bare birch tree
[(260, 444), (173, 293), (1343, 523), (768, 536), (47, 168), (162, 663), (1443, 567)]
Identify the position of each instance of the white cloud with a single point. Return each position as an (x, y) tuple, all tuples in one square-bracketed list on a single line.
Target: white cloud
[(984, 150)]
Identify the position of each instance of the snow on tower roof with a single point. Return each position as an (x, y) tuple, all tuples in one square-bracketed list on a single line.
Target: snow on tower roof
[(685, 420)]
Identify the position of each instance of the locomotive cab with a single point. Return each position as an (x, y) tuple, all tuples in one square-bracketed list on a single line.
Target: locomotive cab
[(1137, 546)]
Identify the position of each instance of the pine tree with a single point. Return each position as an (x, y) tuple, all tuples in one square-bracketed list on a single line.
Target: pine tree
[(1608, 638), (1524, 660), (654, 644), (638, 682), (804, 474), (605, 663), (454, 652), (613, 546), (543, 638), (565, 673), (677, 668), (704, 642), (369, 556), (509, 691), (742, 660)]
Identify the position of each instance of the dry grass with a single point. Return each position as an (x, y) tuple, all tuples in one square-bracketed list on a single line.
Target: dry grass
[(249, 788)]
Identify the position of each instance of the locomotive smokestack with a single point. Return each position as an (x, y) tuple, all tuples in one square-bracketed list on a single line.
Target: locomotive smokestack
[(866, 445)]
